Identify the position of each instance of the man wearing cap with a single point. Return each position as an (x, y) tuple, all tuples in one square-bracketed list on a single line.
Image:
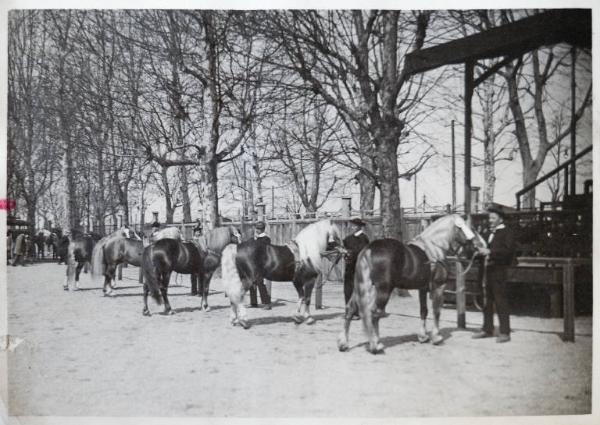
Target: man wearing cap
[(353, 243), (500, 256), (265, 297), (155, 229)]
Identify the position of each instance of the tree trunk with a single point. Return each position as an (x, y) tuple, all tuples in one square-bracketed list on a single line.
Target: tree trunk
[(208, 192), (170, 209), (390, 195), (489, 169)]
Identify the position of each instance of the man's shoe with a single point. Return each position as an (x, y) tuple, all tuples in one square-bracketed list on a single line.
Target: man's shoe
[(503, 338), (482, 334)]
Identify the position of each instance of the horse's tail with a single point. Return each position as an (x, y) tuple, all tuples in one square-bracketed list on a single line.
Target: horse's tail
[(229, 274), (97, 261), (364, 290), (151, 271)]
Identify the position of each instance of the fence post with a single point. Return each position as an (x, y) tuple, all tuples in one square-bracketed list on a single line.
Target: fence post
[(569, 300), (460, 297)]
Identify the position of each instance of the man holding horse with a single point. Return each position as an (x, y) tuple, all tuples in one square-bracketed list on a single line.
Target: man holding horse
[(500, 255), (353, 244), (265, 297)]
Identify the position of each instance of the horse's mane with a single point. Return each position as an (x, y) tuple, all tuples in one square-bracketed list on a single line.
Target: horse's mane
[(312, 240), (435, 240)]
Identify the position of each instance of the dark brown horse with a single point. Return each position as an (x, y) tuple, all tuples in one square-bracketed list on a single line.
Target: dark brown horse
[(386, 264), (212, 245), (113, 250), (162, 258), (298, 262)]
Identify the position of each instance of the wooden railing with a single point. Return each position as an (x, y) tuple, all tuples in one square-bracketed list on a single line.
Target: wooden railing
[(559, 271)]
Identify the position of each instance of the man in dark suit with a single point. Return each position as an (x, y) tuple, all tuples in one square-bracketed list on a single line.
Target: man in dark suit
[(353, 244), (500, 255), (265, 297)]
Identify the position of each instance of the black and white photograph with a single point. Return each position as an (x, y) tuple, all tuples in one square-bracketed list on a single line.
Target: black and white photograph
[(375, 212)]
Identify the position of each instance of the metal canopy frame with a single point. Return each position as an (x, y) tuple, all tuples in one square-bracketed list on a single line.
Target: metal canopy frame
[(573, 26)]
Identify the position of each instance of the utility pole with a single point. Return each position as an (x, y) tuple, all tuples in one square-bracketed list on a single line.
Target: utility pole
[(453, 171), (244, 193), (573, 124), (272, 202), (415, 194)]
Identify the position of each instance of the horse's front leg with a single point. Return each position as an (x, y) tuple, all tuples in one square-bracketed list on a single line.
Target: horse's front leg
[(205, 287), (437, 303), (299, 316), (422, 335), (194, 284), (146, 310), (77, 273)]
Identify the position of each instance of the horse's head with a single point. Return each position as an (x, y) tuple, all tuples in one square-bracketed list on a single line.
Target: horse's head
[(334, 237), (234, 235), (466, 241), (316, 238)]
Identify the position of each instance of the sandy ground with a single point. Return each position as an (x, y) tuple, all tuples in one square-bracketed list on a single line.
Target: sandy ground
[(84, 354)]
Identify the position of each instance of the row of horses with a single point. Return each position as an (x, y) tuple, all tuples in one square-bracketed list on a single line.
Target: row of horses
[(382, 265)]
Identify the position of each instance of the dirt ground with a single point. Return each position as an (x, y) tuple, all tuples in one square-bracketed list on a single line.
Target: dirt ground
[(84, 354)]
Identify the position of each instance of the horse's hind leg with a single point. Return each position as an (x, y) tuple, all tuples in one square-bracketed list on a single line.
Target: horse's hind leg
[(373, 309), (109, 275), (438, 301), (77, 273), (166, 277), (238, 311), (146, 311), (308, 287), (422, 335), (351, 310)]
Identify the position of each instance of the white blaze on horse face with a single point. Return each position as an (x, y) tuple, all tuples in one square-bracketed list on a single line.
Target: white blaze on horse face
[(462, 225)]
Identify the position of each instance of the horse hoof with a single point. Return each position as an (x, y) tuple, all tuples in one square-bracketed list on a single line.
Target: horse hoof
[(378, 349), (244, 324), (423, 338), (146, 313), (310, 320), (342, 345), (170, 313), (298, 319), (207, 308), (66, 288), (437, 339)]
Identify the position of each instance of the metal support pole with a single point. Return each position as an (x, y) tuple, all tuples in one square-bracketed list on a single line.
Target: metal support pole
[(572, 190), (453, 171)]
